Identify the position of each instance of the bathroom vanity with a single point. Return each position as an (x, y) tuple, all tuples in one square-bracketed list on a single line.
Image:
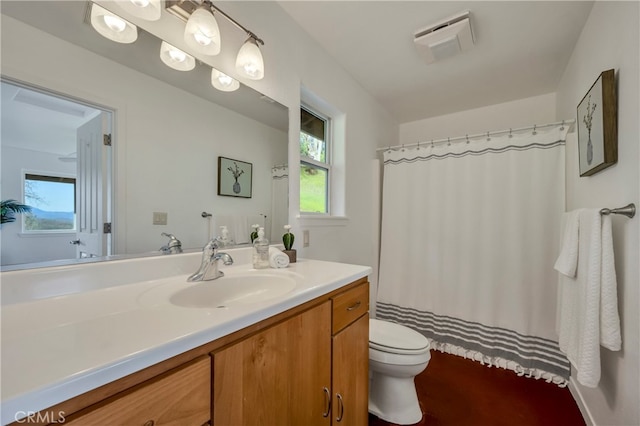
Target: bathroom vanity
[(162, 351)]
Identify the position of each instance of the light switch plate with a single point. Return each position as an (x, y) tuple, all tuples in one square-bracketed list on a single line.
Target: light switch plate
[(159, 218)]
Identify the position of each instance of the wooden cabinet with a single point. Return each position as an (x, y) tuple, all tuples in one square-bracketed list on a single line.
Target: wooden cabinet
[(311, 369), (350, 357), (178, 398), (305, 366), (277, 376)]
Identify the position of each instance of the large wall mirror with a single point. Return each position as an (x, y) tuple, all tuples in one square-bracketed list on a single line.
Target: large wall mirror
[(62, 80)]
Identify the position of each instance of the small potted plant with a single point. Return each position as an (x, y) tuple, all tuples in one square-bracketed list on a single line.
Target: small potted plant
[(10, 208), (254, 233), (287, 240)]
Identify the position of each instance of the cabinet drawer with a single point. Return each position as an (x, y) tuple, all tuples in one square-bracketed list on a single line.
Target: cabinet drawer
[(349, 306), (179, 398)]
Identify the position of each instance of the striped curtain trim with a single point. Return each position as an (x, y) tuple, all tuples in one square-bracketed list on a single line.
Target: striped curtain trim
[(280, 177), (530, 355), (475, 153)]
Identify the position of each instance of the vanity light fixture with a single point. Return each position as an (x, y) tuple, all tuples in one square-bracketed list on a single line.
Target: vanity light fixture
[(112, 26), (151, 10), (223, 82), (249, 61), (176, 58)]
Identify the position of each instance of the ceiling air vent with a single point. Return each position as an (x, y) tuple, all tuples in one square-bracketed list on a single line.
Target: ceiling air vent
[(446, 38)]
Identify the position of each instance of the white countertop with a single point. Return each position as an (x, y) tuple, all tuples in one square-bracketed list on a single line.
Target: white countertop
[(59, 347)]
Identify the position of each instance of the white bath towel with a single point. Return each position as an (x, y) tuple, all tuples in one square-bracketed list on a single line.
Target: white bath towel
[(567, 262), (588, 303), (277, 259)]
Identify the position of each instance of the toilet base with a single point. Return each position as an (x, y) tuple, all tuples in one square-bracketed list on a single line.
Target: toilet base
[(394, 399)]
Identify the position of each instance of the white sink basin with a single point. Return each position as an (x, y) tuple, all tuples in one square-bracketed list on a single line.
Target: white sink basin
[(233, 290)]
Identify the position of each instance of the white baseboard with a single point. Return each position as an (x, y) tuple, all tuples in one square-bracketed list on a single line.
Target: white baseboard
[(584, 410)]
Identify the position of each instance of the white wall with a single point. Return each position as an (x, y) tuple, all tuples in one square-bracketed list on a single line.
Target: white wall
[(610, 39), (521, 113), (167, 141), (24, 248)]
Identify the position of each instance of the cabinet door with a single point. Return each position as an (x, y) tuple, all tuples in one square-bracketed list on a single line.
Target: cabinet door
[(179, 398), (277, 376), (351, 374)]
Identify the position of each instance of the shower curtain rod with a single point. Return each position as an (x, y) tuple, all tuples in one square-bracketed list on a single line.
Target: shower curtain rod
[(477, 135)]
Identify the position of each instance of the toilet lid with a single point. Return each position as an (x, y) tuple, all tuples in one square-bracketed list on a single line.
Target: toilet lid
[(395, 338)]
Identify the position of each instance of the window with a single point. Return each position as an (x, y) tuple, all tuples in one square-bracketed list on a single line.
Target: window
[(315, 163), (53, 203)]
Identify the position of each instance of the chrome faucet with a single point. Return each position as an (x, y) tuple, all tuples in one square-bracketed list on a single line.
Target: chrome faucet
[(173, 246), (209, 266)]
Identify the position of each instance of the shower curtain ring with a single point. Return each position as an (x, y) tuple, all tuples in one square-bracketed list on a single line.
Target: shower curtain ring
[(562, 125), (402, 148), (488, 137), (534, 130), (418, 149), (510, 132), (448, 141), (431, 143), (467, 138)]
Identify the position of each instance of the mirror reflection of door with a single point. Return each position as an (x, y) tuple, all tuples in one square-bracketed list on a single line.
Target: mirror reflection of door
[(54, 159)]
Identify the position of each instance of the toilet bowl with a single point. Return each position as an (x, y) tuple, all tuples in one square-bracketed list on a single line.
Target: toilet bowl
[(396, 355)]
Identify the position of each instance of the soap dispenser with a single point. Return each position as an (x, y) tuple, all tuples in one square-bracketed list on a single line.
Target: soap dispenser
[(223, 240), (261, 251)]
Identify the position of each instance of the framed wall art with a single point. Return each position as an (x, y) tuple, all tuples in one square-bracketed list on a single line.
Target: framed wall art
[(234, 177), (597, 124)]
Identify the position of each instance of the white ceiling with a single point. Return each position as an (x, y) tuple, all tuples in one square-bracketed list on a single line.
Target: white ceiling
[(521, 50), (36, 121)]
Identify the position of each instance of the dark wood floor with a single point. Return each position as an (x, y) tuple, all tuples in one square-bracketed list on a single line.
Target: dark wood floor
[(457, 391)]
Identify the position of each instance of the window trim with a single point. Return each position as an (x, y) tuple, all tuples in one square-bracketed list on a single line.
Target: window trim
[(326, 165)]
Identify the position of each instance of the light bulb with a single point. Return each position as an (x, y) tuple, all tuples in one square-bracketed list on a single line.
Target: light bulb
[(249, 61), (202, 39), (223, 82), (177, 55), (115, 23), (140, 3), (111, 26), (202, 33), (176, 58)]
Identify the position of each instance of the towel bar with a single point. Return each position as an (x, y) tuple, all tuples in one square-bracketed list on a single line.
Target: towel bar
[(628, 210)]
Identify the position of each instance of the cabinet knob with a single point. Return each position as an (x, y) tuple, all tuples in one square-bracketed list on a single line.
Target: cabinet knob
[(340, 408), (149, 423), (327, 402)]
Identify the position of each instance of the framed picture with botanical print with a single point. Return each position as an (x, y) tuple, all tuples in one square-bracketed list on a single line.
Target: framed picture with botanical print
[(234, 177), (597, 124)]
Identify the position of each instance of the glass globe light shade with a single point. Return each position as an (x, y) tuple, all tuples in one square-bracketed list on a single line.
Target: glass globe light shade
[(112, 26), (176, 58), (202, 33), (223, 82), (249, 62)]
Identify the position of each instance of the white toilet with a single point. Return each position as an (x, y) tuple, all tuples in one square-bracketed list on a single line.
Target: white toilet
[(396, 355)]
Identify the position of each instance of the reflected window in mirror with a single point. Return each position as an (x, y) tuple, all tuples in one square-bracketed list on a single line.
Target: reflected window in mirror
[(315, 161), (52, 199)]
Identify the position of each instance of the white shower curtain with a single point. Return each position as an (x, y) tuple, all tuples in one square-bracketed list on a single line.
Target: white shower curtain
[(279, 201), (470, 233)]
